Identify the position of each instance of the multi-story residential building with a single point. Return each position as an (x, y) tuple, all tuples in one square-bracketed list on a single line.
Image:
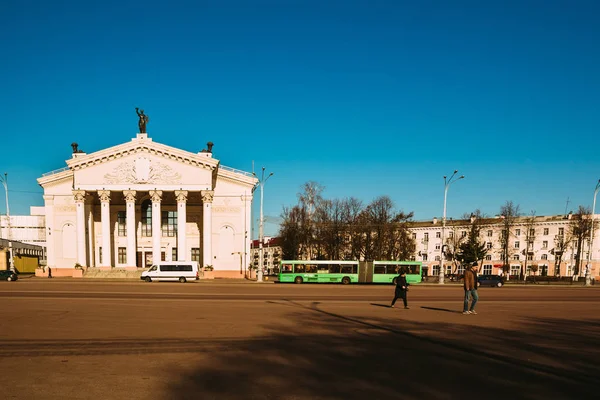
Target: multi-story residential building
[(271, 255), (542, 241)]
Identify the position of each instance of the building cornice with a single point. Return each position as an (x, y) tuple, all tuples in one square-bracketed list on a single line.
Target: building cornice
[(137, 146)]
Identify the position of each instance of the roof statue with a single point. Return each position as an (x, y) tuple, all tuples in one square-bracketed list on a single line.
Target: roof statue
[(143, 120)]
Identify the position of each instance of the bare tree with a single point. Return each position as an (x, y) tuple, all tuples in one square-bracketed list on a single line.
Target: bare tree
[(509, 213), (534, 269), (580, 226), (529, 240), (290, 233), (309, 199)]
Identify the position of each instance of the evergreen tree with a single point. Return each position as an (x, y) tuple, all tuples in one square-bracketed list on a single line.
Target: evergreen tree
[(472, 249)]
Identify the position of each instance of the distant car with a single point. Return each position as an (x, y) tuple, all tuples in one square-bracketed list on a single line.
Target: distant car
[(455, 277), (490, 280), (8, 275)]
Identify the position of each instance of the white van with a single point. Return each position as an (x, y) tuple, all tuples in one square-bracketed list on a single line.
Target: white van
[(181, 271)]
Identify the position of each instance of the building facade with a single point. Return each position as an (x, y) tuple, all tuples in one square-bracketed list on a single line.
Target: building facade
[(271, 255), (142, 201), (28, 229), (543, 243)]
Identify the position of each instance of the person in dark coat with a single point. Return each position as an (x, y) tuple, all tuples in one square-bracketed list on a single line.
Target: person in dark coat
[(470, 286), (401, 289)]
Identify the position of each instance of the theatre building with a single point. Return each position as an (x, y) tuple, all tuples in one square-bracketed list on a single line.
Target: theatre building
[(129, 205)]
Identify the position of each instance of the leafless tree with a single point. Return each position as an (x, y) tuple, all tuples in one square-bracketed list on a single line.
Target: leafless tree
[(580, 226), (529, 240), (509, 213)]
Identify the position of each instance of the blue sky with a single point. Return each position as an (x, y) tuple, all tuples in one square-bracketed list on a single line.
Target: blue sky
[(367, 98)]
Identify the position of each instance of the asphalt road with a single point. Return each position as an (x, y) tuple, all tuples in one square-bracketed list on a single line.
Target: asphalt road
[(83, 339)]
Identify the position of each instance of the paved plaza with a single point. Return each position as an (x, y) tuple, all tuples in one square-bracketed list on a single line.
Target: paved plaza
[(81, 339)]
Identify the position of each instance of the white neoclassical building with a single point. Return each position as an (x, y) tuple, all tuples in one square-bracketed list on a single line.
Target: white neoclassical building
[(140, 201)]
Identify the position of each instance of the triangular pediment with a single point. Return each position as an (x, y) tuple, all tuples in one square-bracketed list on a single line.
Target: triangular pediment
[(143, 165), (142, 145)]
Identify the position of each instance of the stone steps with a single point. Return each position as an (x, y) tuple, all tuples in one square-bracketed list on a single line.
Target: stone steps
[(115, 273)]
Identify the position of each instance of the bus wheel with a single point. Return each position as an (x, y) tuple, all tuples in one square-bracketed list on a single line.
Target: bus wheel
[(148, 279), (345, 280), (298, 279), (182, 279)]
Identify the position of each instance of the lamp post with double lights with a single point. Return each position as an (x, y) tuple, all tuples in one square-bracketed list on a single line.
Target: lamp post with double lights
[(4, 181), (591, 242), (447, 183), (261, 238)]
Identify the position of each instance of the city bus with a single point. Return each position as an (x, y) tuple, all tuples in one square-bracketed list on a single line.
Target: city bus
[(387, 271), (346, 272), (299, 271)]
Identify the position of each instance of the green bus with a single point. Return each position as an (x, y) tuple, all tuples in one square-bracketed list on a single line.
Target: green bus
[(346, 272), (299, 271), (387, 271)]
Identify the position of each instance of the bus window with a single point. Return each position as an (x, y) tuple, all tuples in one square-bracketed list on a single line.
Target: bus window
[(287, 268), (348, 269), (379, 269), (392, 270), (323, 268), (413, 269), (299, 268), (334, 268), (311, 269)]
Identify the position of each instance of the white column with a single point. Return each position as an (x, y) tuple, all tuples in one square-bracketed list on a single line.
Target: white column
[(49, 212), (90, 230), (130, 223), (156, 196), (104, 196), (80, 226), (248, 224), (182, 253), (207, 198)]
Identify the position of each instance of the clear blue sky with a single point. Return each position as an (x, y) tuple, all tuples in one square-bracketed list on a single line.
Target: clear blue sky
[(368, 98)]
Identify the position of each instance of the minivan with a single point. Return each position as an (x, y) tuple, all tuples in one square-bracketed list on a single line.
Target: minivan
[(181, 271)]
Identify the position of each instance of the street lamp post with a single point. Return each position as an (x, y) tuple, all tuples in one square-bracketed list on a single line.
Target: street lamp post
[(591, 242), (447, 183), (261, 239), (4, 182)]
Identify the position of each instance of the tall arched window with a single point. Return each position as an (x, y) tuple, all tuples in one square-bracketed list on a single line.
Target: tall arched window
[(147, 218)]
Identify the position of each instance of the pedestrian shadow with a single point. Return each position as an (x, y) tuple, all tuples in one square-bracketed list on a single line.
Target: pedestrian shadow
[(442, 309), (380, 305)]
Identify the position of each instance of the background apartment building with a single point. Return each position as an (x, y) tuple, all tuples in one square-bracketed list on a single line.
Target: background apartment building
[(544, 243)]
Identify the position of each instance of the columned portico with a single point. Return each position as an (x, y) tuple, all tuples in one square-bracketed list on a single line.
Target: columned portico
[(156, 196), (130, 222), (80, 226), (207, 199), (106, 259), (181, 196), (135, 203)]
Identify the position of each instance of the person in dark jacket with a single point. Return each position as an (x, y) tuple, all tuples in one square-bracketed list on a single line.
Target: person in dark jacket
[(470, 286), (401, 289)]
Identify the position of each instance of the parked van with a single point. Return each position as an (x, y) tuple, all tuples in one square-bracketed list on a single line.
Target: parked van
[(181, 271)]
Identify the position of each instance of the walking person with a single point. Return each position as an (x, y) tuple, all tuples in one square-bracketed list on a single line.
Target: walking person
[(401, 289), (470, 286)]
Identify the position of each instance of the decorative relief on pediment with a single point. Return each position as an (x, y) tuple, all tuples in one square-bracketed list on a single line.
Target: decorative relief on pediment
[(142, 171)]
